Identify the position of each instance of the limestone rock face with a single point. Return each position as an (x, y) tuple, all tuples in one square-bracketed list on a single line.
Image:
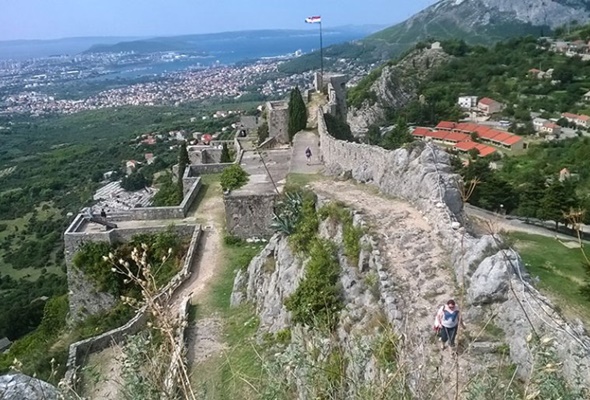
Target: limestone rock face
[(271, 277), (490, 281), (395, 88), (495, 278), (23, 387)]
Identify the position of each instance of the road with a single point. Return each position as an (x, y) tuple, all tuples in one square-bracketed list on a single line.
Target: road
[(499, 222)]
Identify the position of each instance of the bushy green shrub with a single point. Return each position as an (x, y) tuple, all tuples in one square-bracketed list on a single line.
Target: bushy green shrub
[(90, 259), (351, 235), (306, 226), (317, 300), (233, 177)]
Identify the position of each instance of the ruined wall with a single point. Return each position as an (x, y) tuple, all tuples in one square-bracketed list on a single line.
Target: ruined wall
[(278, 120), (84, 297), (249, 216), (80, 350), (162, 213), (497, 284)]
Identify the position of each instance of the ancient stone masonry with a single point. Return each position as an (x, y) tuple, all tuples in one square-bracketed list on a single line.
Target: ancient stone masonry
[(334, 85), (79, 350), (249, 215), (496, 280), (278, 120)]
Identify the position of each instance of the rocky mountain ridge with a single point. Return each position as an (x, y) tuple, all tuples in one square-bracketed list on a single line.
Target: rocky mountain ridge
[(395, 85), (475, 21), (484, 21)]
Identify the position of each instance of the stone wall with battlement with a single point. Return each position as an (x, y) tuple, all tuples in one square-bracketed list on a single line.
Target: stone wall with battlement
[(248, 216)]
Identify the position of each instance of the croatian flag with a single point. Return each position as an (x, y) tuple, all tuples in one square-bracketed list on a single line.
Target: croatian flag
[(313, 20)]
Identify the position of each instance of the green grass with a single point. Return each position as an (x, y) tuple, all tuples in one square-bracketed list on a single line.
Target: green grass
[(561, 271), (225, 376), (210, 188), (45, 210), (295, 179)]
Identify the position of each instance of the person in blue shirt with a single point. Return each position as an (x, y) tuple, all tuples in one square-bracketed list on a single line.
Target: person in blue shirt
[(447, 321)]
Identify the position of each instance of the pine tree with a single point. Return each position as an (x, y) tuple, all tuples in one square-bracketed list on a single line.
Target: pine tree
[(297, 113), (225, 156)]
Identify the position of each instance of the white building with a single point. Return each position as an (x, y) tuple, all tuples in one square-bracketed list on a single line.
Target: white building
[(467, 101), (538, 123)]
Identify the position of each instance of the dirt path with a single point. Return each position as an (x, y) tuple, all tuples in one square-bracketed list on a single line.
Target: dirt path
[(301, 142), (419, 267), (105, 366), (102, 374)]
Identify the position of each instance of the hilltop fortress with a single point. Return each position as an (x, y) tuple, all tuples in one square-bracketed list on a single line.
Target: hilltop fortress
[(434, 231)]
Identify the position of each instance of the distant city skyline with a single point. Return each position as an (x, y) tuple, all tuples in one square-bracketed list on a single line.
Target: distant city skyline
[(42, 19)]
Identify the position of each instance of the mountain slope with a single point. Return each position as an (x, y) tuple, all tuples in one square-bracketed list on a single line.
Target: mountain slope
[(475, 21), (485, 20)]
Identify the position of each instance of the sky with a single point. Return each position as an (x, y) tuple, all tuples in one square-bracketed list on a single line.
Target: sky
[(52, 19)]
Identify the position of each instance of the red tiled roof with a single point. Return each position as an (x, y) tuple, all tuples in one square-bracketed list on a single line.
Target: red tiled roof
[(465, 146), (421, 132), (501, 138), (512, 140), (583, 118), (489, 134), (457, 137), (487, 101), (569, 115), (466, 127), (445, 125), (485, 150), (482, 129)]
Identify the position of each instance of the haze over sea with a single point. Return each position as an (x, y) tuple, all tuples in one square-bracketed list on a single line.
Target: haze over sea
[(227, 48)]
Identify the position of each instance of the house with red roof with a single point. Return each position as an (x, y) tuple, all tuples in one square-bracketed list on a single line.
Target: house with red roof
[(489, 106), (445, 126), (583, 120), (455, 137), (550, 128), (483, 150), (420, 132)]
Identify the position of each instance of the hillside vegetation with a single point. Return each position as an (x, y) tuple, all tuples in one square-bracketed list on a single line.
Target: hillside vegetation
[(51, 166)]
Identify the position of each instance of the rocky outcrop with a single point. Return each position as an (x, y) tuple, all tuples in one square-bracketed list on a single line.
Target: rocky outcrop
[(396, 86), (21, 387), (271, 277), (495, 278)]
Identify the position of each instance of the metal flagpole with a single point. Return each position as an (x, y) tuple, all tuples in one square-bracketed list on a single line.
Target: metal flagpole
[(321, 53)]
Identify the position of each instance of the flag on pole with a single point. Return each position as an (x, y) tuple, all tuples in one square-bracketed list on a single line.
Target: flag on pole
[(313, 20)]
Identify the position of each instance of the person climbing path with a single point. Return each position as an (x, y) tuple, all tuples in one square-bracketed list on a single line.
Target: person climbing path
[(308, 155), (446, 322)]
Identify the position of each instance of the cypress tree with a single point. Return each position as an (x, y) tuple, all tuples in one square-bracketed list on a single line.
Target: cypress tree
[(183, 161), (297, 113), (225, 156)]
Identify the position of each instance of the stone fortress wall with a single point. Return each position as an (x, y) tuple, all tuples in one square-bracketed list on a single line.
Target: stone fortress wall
[(248, 216), (84, 297), (496, 284), (278, 120), (80, 350)]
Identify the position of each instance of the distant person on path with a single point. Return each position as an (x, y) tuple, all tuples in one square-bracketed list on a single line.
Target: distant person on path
[(446, 322), (103, 214), (308, 155)]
